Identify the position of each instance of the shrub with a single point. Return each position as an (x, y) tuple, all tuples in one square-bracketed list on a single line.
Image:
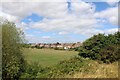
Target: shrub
[(31, 70), (109, 53), (56, 48), (101, 47), (32, 46), (12, 59), (26, 45), (38, 47), (65, 67), (91, 47)]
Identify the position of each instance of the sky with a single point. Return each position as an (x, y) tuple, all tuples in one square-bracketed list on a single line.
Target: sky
[(50, 22)]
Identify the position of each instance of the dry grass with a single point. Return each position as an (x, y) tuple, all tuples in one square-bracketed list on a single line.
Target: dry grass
[(99, 71)]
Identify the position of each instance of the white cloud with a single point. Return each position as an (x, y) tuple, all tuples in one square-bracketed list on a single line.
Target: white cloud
[(37, 32), (34, 0), (111, 14), (45, 9), (83, 8), (111, 31), (8, 16), (30, 19), (81, 17), (29, 35), (91, 32), (46, 37), (111, 2), (15, 19), (81, 20), (63, 33), (22, 25), (88, 32), (53, 33)]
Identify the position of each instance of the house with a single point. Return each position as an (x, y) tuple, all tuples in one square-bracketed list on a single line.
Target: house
[(42, 44), (68, 45), (53, 45), (49, 45), (77, 45), (39, 44), (46, 46), (33, 44), (60, 46)]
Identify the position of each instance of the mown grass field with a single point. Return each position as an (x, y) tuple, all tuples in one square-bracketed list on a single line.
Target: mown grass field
[(47, 57)]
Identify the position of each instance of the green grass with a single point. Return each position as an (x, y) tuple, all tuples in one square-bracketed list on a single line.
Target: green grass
[(63, 64), (47, 57), (76, 67)]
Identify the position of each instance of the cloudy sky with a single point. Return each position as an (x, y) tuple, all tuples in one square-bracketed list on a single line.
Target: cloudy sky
[(65, 21)]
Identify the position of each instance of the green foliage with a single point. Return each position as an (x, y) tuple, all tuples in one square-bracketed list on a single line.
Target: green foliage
[(0, 51), (25, 45), (38, 47), (75, 49), (109, 53), (13, 61), (31, 70), (32, 46), (66, 67), (56, 48), (57, 42), (99, 46)]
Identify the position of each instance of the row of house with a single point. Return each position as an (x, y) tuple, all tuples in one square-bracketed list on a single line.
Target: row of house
[(58, 45)]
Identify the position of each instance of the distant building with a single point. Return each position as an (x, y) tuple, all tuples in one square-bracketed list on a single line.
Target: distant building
[(33, 44), (68, 45), (42, 44), (59, 45), (53, 45), (77, 45)]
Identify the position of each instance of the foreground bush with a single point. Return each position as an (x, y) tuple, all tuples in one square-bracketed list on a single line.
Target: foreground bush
[(12, 59), (66, 67), (75, 49), (31, 70), (85, 67), (101, 47), (109, 53)]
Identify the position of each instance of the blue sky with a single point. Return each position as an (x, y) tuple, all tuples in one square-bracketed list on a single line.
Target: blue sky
[(63, 22)]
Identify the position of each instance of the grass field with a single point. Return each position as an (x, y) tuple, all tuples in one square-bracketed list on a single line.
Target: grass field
[(47, 57), (88, 68)]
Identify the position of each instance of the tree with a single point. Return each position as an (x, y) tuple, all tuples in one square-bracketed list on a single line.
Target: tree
[(102, 47), (12, 59), (0, 51), (57, 42)]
